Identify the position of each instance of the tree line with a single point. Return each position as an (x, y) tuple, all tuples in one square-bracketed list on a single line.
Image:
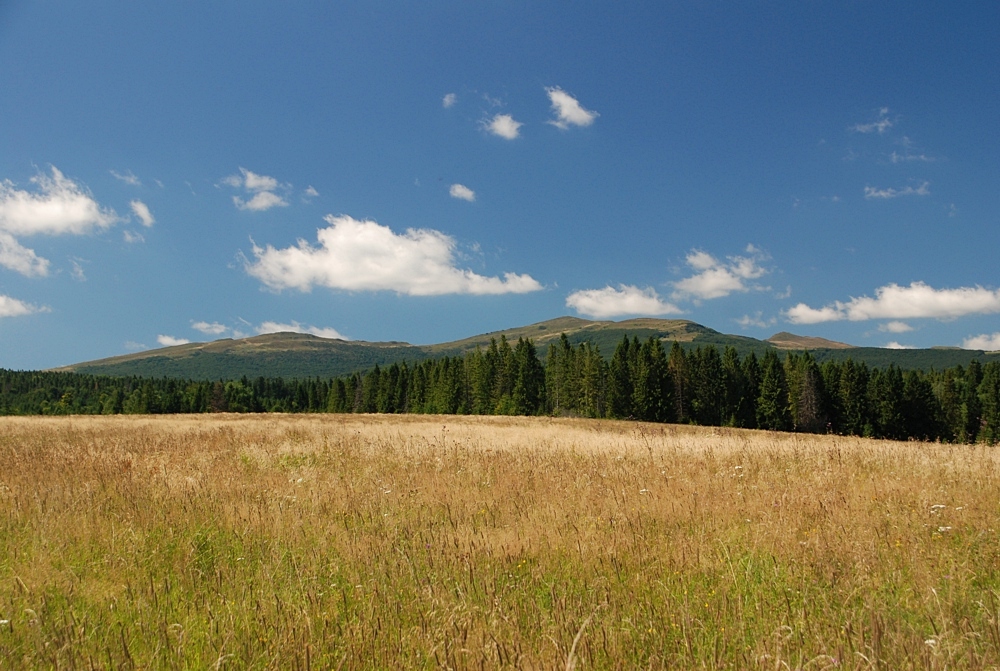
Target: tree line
[(642, 381)]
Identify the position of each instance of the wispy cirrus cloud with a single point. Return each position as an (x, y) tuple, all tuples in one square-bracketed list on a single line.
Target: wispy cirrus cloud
[(128, 177), (892, 301), (12, 307), (57, 206), (462, 192), (355, 255), (503, 125), (568, 110), (756, 320), (263, 188), (616, 302), (449, 100), (880, 125), (922, 189)]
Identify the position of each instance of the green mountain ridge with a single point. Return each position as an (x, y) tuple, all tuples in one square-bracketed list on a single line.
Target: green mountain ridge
[(298, 355)]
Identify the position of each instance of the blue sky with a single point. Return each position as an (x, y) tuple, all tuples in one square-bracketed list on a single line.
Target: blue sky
[(426, 171)]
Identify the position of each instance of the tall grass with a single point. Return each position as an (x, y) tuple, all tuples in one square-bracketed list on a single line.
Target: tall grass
[(423, 542)]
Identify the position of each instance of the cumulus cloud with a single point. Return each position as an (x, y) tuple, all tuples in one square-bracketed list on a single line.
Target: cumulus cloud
[(625, 300), (127, 177), (568, 110), (142, 211), (989, 343), (895, 327), (449, 100), (170, 341), (884, 194), (880, 125), (58, 206), (716, 279), (918, 300), (262, 187), (263, 200), (462, 192), (132, 237), (214, 328), (14, 256), (895, 345), (311, 192), (503, 125), (295, 327), (365, 256), (12, 307)]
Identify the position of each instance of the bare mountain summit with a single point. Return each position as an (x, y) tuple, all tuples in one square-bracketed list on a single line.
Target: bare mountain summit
[(785, 340)]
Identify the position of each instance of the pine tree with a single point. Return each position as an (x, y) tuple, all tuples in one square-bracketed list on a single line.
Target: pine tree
[(620, 381), (680, 380), (772, 403)]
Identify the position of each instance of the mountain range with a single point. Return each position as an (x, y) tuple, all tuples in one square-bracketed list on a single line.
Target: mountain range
[(298, 355)]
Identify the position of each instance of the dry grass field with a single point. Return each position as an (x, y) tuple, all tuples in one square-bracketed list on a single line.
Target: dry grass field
[(424, 542)]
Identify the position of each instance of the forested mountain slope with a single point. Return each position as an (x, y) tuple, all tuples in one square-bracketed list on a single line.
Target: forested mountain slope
[(297, 355)]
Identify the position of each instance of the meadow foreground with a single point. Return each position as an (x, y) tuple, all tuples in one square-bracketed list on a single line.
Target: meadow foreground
[(364, 541)]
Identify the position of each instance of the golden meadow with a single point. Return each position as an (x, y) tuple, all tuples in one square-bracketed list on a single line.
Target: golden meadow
[(366, 541)]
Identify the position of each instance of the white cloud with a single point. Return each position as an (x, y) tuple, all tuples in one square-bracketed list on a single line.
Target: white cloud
[(756, 320), (134, 346), (131, 237), (922, 190), (906, 157), (12, 307), (449, 100), (568, 110), (625, 300), (989, 343), (716, 279), (896, 302), (263, 188), (895, 327), (77, 272), (215, 328), (142, 211), (880, 126), (20, 259), (263, 200), (504, 126), (895, 345), (295, 327), (462, 192), (59, 206), (170, 341), (311, 192), (365, 256), (128, 177)]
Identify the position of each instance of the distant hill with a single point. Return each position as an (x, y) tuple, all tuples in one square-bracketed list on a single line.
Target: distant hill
[(297, 355), (786, 340)]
